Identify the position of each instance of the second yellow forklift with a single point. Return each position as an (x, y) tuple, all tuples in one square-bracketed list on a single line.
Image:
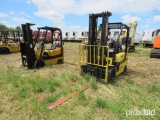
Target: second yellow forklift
[(9, 42), (36, 54)]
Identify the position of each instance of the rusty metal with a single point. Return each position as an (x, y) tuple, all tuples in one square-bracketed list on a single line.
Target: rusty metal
[(68, 85), (59, 102)]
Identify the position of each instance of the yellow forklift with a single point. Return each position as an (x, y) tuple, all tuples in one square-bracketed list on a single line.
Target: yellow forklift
[(9, 42), (106, 59), (37, 54)]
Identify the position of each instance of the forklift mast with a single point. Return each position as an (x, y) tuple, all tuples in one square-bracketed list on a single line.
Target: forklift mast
[(93, 24), (27, 47)]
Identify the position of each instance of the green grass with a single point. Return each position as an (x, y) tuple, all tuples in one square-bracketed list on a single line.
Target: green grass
[(152, 88), (101, 102), (87, 76), (137, 89), (22, 91), (93, 83), (140, 51)]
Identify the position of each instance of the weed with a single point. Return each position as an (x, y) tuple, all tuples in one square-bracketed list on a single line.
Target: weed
[(117, 108), (1, 83), (143, 75), (87, 76), (93, 83), (129, 81), (63, 76), (51, 84), (22, 91), (100, 102), (53, 98), (38, 87), (1, 109), (89, 117), (81, 96), (153, 88), (73, 77)]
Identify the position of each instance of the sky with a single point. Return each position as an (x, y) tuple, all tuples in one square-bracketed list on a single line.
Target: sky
[(73, 15)]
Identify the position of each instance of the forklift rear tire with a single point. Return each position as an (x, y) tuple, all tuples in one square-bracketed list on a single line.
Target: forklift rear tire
[(39, 64), (60, 61), (4, 51), (111, 74)]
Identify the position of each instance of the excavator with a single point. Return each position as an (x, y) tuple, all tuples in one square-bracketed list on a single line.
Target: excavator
[(155, 51), (106, 59), (132, 26), (9, 44), (85, 37), (37, 54)]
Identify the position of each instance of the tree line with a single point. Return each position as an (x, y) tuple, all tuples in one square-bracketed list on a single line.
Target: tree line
[(4, 27)]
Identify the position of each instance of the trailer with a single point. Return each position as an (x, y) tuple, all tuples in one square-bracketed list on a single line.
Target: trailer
[(137, 39), (67, 36), (147, 37)]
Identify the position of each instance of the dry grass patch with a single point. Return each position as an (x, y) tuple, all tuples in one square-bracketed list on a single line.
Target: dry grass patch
[(137, 89)]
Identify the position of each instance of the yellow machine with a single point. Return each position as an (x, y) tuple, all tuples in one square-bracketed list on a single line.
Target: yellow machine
[(85, 37), (106, 60), (36, 56), (132, 27), (9, 44)]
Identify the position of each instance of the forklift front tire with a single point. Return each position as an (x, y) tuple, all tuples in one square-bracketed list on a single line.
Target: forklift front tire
[(111, 74), (39, 64)]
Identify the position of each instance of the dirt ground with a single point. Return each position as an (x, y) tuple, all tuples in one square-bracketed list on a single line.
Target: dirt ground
[(137, 65)]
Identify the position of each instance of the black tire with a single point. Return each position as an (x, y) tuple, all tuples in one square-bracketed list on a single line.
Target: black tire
[(155, 53), (36, 64), (4, 51), (151, 56), (39, 64), (111, 74), (131, 49), (60, 61)]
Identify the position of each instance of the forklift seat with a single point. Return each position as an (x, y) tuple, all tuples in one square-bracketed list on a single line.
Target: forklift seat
[(53, 46), (58, 43), (4, 40), (41, 43), (115, 48)]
